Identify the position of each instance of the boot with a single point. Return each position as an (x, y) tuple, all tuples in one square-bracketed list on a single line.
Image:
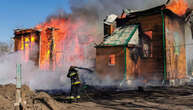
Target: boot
[(77, 99)]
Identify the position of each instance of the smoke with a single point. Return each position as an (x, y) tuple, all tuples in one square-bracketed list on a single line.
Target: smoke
[(31, 74), (46, 80), (5, 48), (8, 67), (190, 4), (106, 7), (38, 79), (94, 11)]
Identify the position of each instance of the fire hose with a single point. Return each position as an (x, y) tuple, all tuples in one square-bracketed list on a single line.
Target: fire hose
[(87, 69)]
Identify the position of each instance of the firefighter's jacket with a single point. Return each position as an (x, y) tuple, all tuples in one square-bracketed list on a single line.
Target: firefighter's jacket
[(73, 75)]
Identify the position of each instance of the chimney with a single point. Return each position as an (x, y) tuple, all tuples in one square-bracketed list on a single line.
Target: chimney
[(110, 24)]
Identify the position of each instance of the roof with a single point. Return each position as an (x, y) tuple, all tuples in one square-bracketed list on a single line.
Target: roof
[(128, 11), (110, 19), (122, 36), (24, 31), (20, 32), (143, 12)]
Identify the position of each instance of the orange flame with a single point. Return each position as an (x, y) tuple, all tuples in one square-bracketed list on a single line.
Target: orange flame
[(27, 44), (178, 7), (62, 43)]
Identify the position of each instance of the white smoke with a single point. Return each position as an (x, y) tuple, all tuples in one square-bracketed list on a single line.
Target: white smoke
[(48, 80), (31, 75)]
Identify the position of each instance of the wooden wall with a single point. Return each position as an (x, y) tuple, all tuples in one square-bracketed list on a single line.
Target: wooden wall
[(175, 48), (133, 63), (151, 68), (17, 44), (102, 59)]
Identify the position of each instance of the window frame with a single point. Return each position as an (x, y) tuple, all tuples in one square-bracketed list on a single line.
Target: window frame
[(112, 60)]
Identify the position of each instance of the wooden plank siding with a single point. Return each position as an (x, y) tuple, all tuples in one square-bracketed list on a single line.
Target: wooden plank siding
[(151, 68), (102, 59), (133, 66), (143, 68), (175, 48)]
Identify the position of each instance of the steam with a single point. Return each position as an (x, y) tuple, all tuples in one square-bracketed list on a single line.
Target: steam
[(38, 79), (49, 80)]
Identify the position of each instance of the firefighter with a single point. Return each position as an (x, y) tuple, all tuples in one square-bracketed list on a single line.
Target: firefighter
[(75, 84)]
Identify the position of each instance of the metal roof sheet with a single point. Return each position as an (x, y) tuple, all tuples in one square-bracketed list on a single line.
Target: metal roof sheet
[(110, 19), (122, 36)]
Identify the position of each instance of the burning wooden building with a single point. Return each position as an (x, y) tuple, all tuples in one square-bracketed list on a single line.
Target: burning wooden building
[(36, 48), (27, 42), (60, 42), (149, 44)]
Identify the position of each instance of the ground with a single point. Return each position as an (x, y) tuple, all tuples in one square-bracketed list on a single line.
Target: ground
[(154, 98), (160, 98)]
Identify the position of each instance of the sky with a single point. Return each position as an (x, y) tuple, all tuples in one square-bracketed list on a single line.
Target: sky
[(26, 14)]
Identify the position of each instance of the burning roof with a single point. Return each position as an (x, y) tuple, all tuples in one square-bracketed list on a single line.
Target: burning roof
[(178, 7), (25, 31)]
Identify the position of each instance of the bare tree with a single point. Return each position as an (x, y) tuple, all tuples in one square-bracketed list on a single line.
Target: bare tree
[(5, 48)]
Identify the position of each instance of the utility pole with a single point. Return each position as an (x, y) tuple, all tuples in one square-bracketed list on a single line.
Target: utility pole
[(18, 88)]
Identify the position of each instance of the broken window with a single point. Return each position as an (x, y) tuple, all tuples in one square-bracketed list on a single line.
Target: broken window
[(147, 40), (112, 60), (148, 34), (146, 50)]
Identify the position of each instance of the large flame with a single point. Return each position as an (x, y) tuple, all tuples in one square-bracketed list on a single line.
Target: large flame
[(66, 38), (178, 7), (27, 46)]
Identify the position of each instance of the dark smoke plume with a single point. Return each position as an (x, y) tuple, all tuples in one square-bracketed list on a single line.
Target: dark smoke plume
[(105, 7)]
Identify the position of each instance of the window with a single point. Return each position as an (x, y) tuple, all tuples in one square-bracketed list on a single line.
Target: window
[(148, 34), (112, 60), (147, 44), (146, 50)]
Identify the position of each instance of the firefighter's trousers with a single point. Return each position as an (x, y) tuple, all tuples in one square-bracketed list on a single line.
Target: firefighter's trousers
[(75, 92)]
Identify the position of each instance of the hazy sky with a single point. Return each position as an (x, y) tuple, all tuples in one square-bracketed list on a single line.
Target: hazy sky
[(26, 13)]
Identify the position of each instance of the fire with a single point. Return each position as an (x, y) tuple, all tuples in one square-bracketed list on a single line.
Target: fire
[(61, 42), (27, 44), (178, 7)]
